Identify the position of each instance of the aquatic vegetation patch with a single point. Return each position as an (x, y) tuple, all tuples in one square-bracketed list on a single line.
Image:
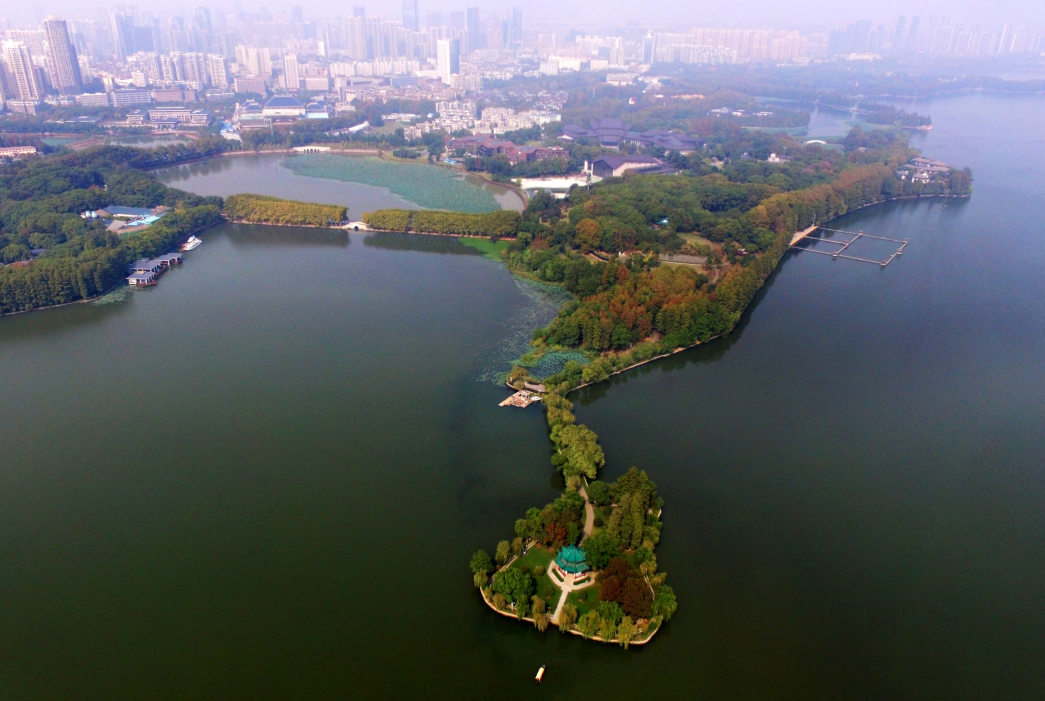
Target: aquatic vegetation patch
[(428, 187), (552, 363), (115, 296)]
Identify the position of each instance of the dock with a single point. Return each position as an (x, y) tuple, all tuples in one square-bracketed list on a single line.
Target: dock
[(521, 399), (855, 236)]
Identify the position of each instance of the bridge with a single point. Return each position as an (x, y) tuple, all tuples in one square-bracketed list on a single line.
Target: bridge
[(854, 237)]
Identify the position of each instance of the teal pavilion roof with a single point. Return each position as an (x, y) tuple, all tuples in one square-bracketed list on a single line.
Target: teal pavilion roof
[(571, 559)]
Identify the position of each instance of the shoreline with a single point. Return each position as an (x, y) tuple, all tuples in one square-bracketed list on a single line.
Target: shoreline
[(97, 296), (801, 235), (571, 631)]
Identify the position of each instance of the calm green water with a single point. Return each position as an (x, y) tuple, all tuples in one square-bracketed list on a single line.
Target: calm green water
[(363, 183), (263, 477)]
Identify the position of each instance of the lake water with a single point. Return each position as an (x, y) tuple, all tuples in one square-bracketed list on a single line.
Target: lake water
[(263, 477), (362, 183)]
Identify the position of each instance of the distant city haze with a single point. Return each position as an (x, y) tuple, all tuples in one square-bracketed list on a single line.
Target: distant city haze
[(676, 15)]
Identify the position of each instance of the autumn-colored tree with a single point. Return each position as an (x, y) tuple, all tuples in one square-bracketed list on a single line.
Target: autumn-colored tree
[(588, 235)]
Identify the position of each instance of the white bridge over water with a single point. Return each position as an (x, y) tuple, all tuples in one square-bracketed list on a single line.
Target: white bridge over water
[(845, 244)]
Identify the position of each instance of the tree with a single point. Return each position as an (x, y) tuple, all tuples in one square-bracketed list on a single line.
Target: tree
[(504, 551), (567, 617), (480, 579), (573, 483), (522, 528), (607, 629), (610, 611), (521, 609), (664, 603), (599, 493), (514, 584), (481, 562), (626, 632), (636, 597), (588, 236), (588, 624), (599, 549), (499, 602), (517, 547)]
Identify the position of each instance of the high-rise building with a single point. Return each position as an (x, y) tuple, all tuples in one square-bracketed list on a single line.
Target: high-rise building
[(218, 71), (411, 17), (297, 14), (21, 76), (449, 55), (433, 18), (121, 23), (359, 11), (203, 30), (65, 67), (649, 48), (515, 28), (476, 35), (291, 75)]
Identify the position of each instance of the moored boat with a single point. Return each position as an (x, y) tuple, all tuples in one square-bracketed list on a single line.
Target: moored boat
[(191, 243)]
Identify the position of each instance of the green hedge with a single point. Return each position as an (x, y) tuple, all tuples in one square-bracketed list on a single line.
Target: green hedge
[(388, 219), (500, 224), (273, 210)]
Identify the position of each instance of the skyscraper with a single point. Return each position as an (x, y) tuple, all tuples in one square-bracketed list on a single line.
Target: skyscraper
[(121, 23), (476, 36), (649, 48), (65, 66), (411, 17), (515, 27), (21, 77), (449, 54), (290, 71), (359, 10)]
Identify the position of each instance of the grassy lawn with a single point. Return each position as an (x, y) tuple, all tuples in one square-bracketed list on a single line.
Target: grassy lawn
[(590, 596), (538, 555), (490, 249)]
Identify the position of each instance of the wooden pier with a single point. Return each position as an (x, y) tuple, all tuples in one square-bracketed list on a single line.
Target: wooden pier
[(521, 399), (856, 235)]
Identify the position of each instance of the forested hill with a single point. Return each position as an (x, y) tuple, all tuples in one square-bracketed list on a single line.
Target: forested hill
[(40, 204)]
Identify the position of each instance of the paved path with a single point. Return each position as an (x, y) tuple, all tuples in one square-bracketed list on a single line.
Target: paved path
[(567, 587), (589, 511)]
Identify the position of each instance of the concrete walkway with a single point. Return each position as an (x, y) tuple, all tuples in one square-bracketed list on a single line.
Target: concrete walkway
[(589, 514), (569, 583)]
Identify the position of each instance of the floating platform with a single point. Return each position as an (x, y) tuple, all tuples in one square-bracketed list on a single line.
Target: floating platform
[(521, 399)]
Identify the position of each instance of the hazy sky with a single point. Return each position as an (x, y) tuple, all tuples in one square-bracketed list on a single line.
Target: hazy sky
[(682, 14)]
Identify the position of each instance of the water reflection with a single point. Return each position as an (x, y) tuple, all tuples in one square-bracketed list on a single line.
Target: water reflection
[(252, 236), (419, 242)]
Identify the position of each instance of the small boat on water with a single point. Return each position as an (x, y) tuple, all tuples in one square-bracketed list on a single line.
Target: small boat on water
[(540, 674), (192, 243)]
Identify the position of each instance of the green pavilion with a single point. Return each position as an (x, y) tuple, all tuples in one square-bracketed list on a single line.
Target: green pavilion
[(571, 559)]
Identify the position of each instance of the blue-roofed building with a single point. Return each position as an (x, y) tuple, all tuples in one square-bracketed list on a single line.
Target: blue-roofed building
[(284, 106), (572, 559)]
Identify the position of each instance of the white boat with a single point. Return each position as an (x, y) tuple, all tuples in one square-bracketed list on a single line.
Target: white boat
[(192, 243)]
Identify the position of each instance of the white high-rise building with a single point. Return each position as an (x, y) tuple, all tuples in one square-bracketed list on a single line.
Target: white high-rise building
[(449, 55), (218, 70), (291, 75), (20, 71)]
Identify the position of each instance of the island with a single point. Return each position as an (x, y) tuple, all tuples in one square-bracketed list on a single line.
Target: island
[(585, 562)]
